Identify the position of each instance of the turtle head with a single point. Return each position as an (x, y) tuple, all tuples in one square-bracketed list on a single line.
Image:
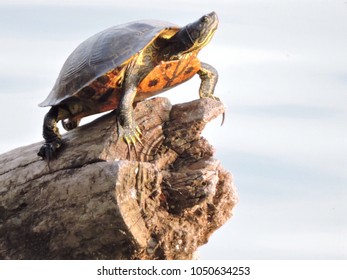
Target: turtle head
[(192, 37), (198, 34)]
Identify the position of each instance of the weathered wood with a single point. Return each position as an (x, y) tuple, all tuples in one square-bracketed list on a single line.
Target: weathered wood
[(98, 201)]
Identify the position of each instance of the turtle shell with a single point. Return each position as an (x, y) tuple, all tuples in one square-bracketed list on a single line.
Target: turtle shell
[(103, 52)]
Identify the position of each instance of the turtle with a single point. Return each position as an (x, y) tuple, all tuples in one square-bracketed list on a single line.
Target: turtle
[(122, 65)]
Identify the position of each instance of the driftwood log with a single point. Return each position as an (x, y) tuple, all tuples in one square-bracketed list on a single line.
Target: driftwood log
[(97, 200)]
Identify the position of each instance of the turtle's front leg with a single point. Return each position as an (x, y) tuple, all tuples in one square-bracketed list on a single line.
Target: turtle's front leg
[(126, 124), (127, 127), (51, 135), (209, 78)]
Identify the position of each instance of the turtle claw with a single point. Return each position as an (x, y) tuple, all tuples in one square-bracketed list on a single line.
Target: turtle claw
[(223, 118), (49, 150), (138, 130), (217, 99), (130, 135), (132, 138)]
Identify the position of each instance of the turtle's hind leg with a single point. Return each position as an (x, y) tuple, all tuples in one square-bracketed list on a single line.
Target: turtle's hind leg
[(51, 135)]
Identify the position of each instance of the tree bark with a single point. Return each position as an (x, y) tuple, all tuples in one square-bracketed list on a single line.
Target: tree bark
[(100, 200)]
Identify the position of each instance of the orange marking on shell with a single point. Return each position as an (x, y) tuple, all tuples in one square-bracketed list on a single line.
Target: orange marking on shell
[(102, 94), (168, 74), (100, 86), (111, 104)]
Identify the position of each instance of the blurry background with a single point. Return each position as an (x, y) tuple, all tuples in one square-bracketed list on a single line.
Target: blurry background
[(283, 78)]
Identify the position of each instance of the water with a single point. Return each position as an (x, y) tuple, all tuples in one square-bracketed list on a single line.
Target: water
[(283, 77)]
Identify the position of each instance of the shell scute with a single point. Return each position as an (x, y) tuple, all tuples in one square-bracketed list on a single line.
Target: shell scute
[(100, 54)]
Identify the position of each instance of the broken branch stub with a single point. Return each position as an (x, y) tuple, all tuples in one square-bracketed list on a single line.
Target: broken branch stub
[(97, 200)]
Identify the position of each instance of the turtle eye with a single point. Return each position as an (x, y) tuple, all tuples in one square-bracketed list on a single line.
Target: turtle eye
[(204, 19)]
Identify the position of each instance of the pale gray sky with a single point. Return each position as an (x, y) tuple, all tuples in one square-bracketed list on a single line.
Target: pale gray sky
[(283, 78)]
